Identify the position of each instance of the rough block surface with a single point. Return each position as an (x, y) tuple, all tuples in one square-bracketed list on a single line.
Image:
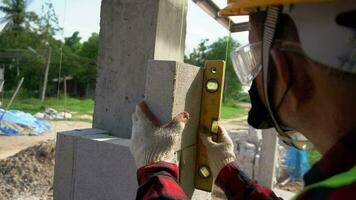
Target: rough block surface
[(171, 88)]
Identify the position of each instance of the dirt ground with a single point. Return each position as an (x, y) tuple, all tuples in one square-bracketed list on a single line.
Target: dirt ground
[(27, 163), (11, 145)]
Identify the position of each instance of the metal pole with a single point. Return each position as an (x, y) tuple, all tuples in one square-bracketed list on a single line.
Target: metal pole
[(45, 80)]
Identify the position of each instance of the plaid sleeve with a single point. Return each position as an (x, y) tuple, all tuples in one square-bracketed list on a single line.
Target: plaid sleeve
[(159, 181), (237, 185)]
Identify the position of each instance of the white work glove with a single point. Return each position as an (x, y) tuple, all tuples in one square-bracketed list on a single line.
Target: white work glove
[(151, 142), (219, 153)]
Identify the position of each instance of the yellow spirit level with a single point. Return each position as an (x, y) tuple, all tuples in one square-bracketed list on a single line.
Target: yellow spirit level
[(213, 87)]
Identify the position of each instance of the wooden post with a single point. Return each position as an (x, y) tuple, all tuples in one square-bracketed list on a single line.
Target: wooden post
[(65, 96), (45, 79)]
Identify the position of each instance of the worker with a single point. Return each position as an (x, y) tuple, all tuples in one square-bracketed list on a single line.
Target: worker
[(301, 65)]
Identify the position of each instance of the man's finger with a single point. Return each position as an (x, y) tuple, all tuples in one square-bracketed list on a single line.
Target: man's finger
[(178, 122), (182, 117), (150, 116), (223, 135)]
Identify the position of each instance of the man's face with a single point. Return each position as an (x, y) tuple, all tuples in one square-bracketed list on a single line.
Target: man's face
[(255, 35), (277, 81)]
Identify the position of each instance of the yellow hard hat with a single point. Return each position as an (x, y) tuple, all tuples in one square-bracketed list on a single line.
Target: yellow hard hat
[(242, 7)]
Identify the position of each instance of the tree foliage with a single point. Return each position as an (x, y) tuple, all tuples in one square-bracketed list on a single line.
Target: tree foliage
[(16, 16), (73, 42), (25, 45), (218, 50), (47, 23)]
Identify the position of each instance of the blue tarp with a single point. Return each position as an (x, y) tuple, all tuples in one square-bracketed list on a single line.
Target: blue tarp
[(297, 163), (14, 122)]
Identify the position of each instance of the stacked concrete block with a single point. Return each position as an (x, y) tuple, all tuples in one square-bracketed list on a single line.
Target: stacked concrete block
[(101, 166), (92, 165), (247, 143), (281, 173), (261, 156)]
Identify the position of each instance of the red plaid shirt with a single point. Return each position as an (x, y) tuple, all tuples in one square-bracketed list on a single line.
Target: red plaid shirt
[(159, 180)]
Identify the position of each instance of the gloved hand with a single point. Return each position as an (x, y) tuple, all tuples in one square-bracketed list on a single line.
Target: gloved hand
[(151, 142), (219, 153)]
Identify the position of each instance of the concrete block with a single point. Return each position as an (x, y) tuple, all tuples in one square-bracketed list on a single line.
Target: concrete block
[(173, 87), (131, 33), (107, 169), (65, 161), (92, 165), (254, 136)]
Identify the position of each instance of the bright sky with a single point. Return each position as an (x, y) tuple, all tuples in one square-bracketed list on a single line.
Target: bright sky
[(84, 16)]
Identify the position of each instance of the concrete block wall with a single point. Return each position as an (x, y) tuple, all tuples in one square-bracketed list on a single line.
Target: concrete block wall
[(93, 165), (259, 154), (247, 149)]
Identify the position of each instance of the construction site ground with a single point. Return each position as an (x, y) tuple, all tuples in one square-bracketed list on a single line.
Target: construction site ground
[(27, 162)]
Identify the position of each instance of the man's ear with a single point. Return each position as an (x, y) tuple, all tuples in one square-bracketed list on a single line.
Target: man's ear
[(283, 77), (281, 66)]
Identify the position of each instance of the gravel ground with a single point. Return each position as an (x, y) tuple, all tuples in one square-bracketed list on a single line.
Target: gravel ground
[(27, 163), (29, 173)]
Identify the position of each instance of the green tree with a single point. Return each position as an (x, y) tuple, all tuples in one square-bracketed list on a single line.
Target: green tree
[(19, 61), (89, 52), (79, 61), (73, 42), (16, 15), (47, 23), (199, 54), (218, 51), (90, 47)]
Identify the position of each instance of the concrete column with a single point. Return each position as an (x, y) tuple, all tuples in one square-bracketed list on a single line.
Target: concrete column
[(268, 159), (133, 32)]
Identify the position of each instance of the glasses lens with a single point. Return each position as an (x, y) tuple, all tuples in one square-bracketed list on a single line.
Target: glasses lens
[(246, 61)]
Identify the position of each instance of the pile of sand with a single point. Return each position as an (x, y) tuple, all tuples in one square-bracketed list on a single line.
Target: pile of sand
[(29, 173)]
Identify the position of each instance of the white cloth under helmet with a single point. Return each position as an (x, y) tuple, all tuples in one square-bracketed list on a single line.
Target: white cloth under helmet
[(322, 38)]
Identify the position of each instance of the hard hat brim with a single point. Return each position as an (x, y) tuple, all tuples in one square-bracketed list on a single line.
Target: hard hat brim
[(242, 7)]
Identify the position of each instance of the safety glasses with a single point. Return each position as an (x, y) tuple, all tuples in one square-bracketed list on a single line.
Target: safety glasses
[(246, 61)]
